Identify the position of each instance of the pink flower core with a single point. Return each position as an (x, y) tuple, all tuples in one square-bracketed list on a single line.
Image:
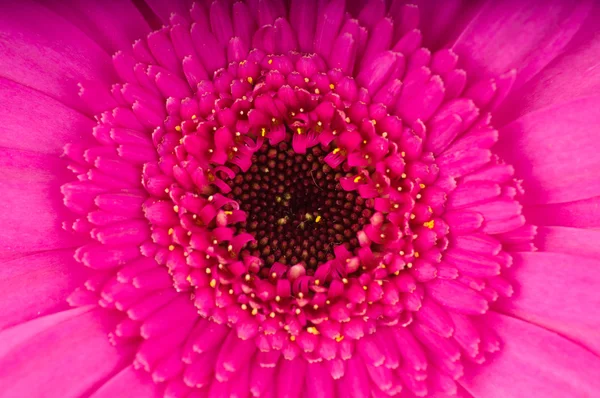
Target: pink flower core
[(304, 206)]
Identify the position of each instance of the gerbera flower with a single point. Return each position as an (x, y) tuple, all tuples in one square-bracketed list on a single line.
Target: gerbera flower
[(303, 198)]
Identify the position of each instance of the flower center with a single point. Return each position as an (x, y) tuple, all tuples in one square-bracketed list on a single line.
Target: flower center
[(296, 209)]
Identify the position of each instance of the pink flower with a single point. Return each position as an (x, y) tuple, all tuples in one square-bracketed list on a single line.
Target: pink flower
[(303, 198)]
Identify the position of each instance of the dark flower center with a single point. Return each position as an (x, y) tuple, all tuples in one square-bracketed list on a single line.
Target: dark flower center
[(296, 209)]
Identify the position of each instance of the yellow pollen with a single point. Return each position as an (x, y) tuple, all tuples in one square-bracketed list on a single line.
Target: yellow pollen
[(402, 252), (208, 271), (247, 277), (167, 190), (421, 186), (277, 298), (230, 291), (364, 142), (374, 122), (316, 306), (301, 295), (215, 241), (210, 151), (418, 196), (176, 208), (403, 154), (318, 219), (274, 275), (297, 311), (396, 206), (365, 288), (244, 307), (357, 178), (336, 150), (170, 231), (171, 247), (213, 283), (417, 255), (301, 110), (397, 273), (270, 62), (250, 79), (229, 248), (384, 134), (412, 216), (189, 278), (194, 216), (210, 198), (306, 79), (409, 265), (312, 330), (299, 130), (344, 280), (334, 132), (263, 131), (317, 91), (403, 175), (177, 128), (429, 224), (347, 120), (292, 338), (317, 282), (380, 283), (254, 311), (327, 302), (331, 86), (272, 315), (382, 236), (228, 212), (339, 338)]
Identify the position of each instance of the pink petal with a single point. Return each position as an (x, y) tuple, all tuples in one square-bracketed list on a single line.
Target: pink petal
[(558, 292), (518, 35), (64, 354), (37, 284), (573, 74), (31, 210), (93, 18), (579, 242), (533, 362), (35, 122), (129, 381), (555, 151), (35, 42), (582, 214)]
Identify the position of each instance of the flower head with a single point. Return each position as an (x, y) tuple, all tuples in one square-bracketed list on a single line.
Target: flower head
[(307, 199)]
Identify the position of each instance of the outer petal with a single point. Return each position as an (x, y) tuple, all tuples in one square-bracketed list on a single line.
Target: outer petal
[(43, 51), (560, 293), (582, 214), (518, 35), (556, 151), (31, 210), (63, 355), (37, 284), (533, 362), (575, 241), (129, 382), (36, 122), (97, 18), (573, 74)]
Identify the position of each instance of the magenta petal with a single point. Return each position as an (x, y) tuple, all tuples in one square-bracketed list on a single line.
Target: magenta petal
[(556, 151), (579, 242), (533, 362), (32, 211), (573, 74), (65, 354), (35, 122), (93, 18), (37, 284), (582, 214), (558, 292), (129, 381), (518, 35), (43, 51)]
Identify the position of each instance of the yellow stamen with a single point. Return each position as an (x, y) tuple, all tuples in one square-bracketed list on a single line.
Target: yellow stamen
[(318, 219), (250, 79), (429, 224)]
